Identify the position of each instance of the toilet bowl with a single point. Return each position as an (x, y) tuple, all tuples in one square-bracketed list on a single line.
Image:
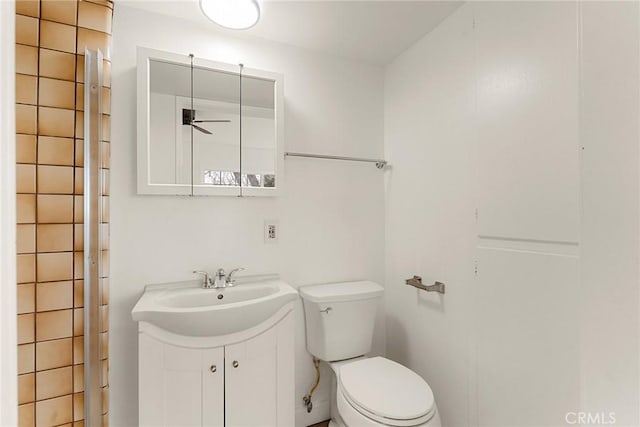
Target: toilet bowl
[(366, 392)]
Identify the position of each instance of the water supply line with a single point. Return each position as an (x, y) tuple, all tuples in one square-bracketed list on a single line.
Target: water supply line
[(307, 398)]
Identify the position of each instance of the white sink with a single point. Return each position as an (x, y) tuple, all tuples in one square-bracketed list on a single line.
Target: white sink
[(188, 309)]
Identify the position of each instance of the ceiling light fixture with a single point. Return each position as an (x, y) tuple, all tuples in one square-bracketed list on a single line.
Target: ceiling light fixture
[(233, 14)]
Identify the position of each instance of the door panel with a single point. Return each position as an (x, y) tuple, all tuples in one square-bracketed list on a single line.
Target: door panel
[(251, 383)]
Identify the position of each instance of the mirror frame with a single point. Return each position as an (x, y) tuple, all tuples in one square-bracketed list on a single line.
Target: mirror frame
[(144, 184)]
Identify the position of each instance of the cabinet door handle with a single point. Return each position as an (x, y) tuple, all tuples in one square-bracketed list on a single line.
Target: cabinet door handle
[(235, 364), (213, 368)]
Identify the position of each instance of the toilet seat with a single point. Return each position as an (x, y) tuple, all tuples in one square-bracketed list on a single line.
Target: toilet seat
[(386, 392)]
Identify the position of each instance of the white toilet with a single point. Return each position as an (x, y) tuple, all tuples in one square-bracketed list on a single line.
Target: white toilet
[(368, 391)]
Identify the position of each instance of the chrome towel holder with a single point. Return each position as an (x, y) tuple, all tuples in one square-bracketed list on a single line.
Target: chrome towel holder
[(380, 163), (416, 282)]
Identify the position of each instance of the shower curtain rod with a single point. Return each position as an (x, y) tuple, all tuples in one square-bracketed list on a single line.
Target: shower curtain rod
[(378, 162)]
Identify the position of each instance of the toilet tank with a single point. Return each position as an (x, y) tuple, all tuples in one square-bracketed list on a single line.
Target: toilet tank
[(340, 318)]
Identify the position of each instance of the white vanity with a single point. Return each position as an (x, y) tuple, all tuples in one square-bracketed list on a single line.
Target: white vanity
[(216, 357)]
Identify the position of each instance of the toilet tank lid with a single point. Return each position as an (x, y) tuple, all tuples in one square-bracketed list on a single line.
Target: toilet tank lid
[(345, 291)]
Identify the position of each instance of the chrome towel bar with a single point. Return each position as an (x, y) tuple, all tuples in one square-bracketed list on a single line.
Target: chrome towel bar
[(380, 164), (416, 282)]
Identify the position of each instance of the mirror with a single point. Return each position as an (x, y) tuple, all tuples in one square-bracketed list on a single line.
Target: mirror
[(207, 128)]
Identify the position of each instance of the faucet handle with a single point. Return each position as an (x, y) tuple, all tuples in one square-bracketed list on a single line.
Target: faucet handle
[(230, 280), (206, 279)]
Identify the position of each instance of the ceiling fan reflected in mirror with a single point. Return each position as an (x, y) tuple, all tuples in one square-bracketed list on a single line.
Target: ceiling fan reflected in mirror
[(189, 118)]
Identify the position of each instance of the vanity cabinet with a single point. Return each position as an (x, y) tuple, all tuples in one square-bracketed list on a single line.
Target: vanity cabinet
[(243, 379)]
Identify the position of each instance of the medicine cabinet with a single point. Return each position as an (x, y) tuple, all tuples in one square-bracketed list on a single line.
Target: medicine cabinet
[(208, 128)]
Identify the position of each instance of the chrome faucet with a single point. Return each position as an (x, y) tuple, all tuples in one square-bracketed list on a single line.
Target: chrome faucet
[(230, 280), (221, 279), (207, 283)]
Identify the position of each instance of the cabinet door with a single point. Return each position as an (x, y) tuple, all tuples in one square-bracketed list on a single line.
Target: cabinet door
[(178, 386), (251, 383)]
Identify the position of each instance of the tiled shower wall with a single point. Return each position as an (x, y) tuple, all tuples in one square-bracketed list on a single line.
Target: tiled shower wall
[(51, 36)]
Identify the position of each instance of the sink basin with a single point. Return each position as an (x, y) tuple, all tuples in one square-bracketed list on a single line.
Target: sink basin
[(187, 309)]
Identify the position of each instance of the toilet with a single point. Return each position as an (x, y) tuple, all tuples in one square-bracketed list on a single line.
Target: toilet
[(366, 391)]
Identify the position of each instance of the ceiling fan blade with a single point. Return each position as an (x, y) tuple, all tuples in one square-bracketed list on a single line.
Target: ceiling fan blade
[(203, 130), (211, 121)]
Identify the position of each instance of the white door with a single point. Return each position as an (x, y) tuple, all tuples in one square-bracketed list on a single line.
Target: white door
[(251, 382)]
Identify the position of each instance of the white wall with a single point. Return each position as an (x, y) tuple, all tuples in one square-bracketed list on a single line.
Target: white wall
[(512, 129), (331, 216)]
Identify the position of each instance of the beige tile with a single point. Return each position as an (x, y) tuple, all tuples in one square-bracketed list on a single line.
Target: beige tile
[(78, 237), (26, 266), (26, 328), (53, 412), (26, 238), (78, 406), (104, 237), (106, 74), (55, 266), (57, 36), (78, 209), (55, 151), (26, 119), (54, 383), (105, 208), (26, 30), (80, 68), (25, 148), (80, 96), (78, 265), (78, 186), (104, 364), (26, 89), (78, 322), (26, 208), (78, 293), (78, 350), (106, 184), (26, 388), (79, 124), (26, 358), (26, 60), (81, 424), (106, 100), (104, 291), (26, 415), (105, 400), (55, 208), (78, 378), (57, 65), (104, 345), (89, 39), (54, 354), (63, 11), (56, 93), (25, 178), (106, 128), (55, 122), (107, 3), (26, 296), (55, 179), (54, 295), (54, 324), (28, 7), (79, 152), (104, 318), (55, 237), (95, 17)]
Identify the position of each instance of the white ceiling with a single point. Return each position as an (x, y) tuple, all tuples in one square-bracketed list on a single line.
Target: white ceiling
[(371, 31)]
